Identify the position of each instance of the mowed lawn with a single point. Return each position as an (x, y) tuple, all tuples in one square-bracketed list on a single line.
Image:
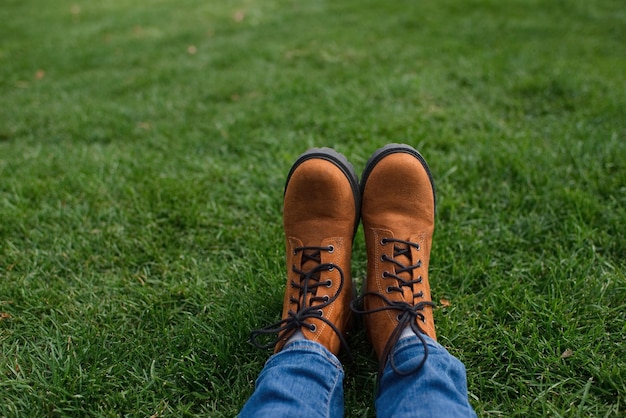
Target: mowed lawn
[(144, 148)]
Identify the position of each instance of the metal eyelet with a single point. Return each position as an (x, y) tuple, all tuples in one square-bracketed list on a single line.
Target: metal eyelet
[(419, 279), (319, 311), (329, 284), (385, 274), (312, 328), (420, 294), (383, 241), (399, 317), (331, 249)]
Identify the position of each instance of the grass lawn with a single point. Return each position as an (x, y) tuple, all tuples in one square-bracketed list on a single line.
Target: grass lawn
[(143, 152)]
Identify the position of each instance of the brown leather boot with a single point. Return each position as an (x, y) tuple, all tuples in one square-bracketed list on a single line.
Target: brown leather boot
[(321, 214), (398, 214)]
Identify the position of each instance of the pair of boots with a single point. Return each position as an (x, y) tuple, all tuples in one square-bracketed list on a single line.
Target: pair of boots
[(323, 205)]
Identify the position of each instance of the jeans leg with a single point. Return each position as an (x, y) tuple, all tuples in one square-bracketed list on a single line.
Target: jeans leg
[(302, 380), (438, 389)]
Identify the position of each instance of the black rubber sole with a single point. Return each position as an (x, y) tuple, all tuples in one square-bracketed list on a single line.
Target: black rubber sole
[(393, 149), (341, 162)]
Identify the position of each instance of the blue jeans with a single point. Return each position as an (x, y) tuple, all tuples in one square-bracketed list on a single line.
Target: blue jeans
[(306, 380)]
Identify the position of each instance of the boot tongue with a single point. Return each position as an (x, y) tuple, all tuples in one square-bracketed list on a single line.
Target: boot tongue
[(310, 260), (402, 254)]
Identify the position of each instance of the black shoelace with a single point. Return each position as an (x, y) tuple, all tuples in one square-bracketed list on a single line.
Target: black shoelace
[(309, 282), (408, 314)]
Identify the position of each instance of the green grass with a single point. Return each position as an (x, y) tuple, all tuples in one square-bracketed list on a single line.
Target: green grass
[(143, 151)]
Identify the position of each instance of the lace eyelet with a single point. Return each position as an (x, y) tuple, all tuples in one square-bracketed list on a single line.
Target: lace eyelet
[(331, 249), (331, 268), (419, 263), (319, 311), (389, 289), (419, 279), (326, 298), (385, 274), (329, 284), (420, 294), (399, 317), (312, 327), (383, 241)]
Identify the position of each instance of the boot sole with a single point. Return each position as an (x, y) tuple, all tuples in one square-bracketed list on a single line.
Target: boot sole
[(341, 162), (394, 149)]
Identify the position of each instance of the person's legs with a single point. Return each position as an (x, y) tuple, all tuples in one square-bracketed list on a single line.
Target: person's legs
[(437, 389), (418, 377), (320, 217), (304, 379)]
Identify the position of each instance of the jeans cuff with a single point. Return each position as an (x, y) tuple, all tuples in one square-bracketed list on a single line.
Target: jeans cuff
[(433, 346), (306, 346)]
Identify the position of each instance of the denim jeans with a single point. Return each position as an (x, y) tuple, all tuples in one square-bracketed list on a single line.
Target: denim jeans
[(306, 380)]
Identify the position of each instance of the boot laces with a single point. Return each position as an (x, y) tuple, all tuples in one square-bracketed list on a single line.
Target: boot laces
[(309, 305), (410, 314)]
